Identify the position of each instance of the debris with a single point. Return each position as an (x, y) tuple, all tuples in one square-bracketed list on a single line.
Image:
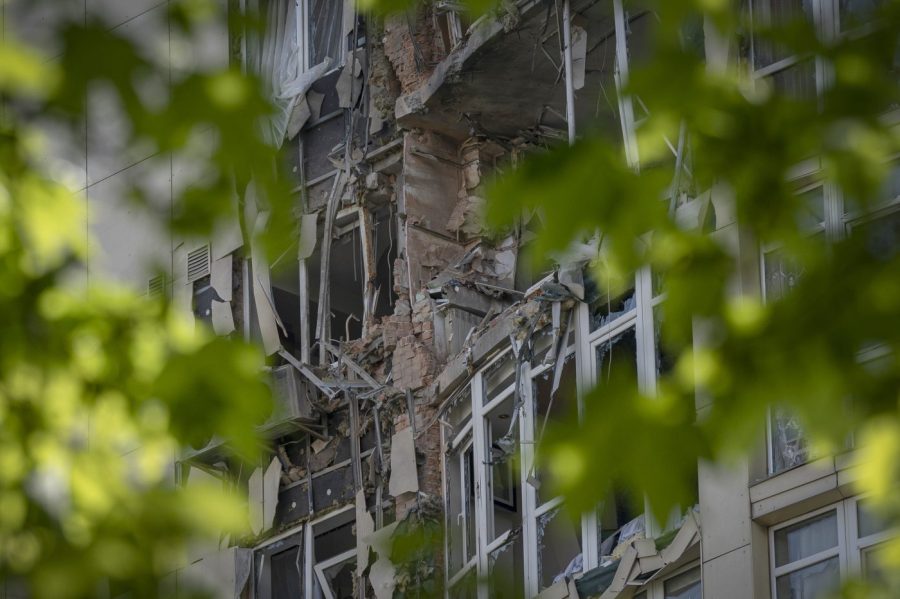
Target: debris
[(404, 473)]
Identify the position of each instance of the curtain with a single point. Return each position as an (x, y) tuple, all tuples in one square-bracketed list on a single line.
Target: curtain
[(277, 60)]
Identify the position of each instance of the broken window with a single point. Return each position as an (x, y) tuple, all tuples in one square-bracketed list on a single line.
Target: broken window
[(551, 407), (505, 570), (853, 13), (278, 569), (502, 433), (460, 494), (604, 308), (559, 547), (774, 13), (333, 556), (324, 30), (316, 562)]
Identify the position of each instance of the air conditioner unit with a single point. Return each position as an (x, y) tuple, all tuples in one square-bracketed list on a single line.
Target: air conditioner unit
[(291, 393)]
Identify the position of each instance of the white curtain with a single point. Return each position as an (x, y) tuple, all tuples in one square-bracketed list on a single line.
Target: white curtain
[(278, 60)]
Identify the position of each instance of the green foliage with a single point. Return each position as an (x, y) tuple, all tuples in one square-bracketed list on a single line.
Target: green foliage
[(801, 351), (101, 389)]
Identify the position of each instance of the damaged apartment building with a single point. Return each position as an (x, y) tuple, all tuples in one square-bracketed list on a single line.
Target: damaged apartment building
[(412, 355)]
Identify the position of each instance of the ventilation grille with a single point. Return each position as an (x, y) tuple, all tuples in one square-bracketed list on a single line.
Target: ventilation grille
[(198, 263), (156, 286)]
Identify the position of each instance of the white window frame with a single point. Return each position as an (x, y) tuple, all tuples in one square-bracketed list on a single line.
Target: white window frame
[(311, 568), (657, 588), (837, 225), (302, 15), (850, 547), (473, 429)]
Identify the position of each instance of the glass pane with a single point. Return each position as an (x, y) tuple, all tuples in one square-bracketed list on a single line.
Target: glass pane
[(813, 582), (460, 508), (340, 578), (469, 502), (797, 82), (466, 588), (775, 13), (617, 354), (868, 521), (619, 519), (506, 577), (325, 21), (780, 274), (503, 445), (789, 445), (559, 547), (872, 563), (665, 359), (806, 538), (882, 235), (856, 12), (812, 209), (605, 309), (286, 578), (684, 586), (548, 409)]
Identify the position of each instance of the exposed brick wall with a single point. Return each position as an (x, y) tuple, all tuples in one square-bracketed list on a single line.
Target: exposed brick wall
[(412, 45)]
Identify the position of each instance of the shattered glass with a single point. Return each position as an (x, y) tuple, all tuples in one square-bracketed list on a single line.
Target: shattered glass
[(781, 274), (789, 445), (502, 430), (506, 569), (604, 310), (559, 544)]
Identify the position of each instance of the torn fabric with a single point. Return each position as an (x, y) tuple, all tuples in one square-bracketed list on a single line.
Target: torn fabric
[(278, 61)]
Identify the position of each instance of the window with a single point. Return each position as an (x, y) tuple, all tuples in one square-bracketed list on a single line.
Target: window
[(515, 536), (318, 561), (810, 554), (324, 30), (801, 77), (879, 227), (685, 584)]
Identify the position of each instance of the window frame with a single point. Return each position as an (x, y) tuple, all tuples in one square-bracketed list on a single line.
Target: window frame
[(303, 41), (850, 547), (312, 569), (838, 224), (656, 589)]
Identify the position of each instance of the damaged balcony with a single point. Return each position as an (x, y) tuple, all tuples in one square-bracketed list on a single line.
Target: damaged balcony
[(505, 78)]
